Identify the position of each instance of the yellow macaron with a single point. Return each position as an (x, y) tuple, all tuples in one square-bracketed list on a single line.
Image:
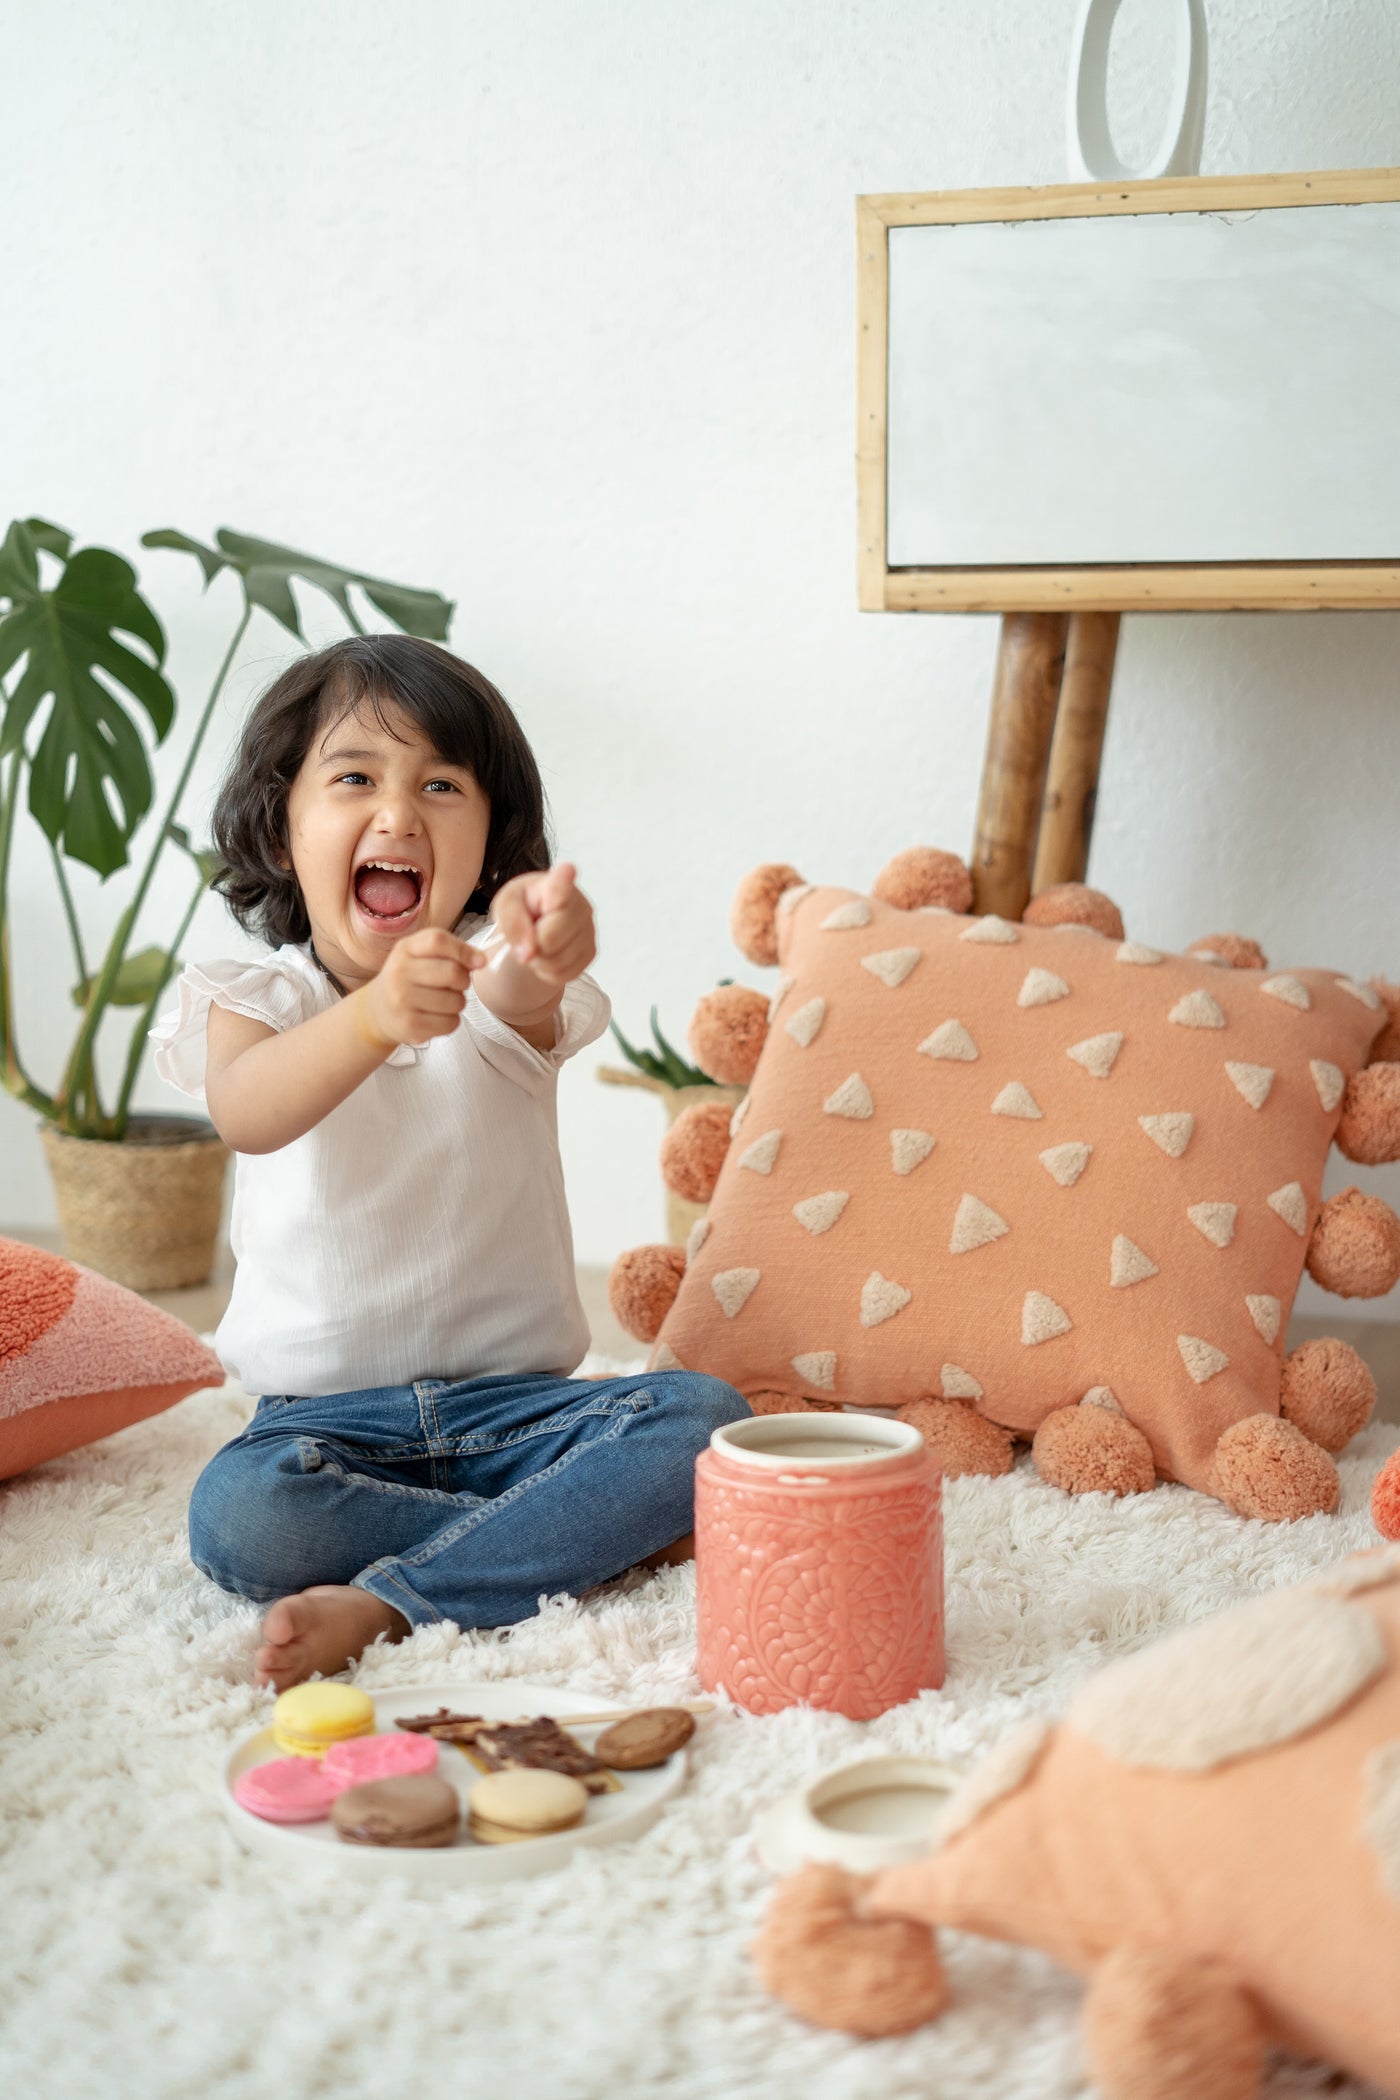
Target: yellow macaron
[(310, 1717)]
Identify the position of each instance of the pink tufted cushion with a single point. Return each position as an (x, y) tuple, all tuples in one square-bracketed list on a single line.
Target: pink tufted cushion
[(81, 1357)]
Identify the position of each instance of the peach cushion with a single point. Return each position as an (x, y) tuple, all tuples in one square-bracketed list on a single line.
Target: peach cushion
[(887, 1226), (81, 1357), (1283, 1863)]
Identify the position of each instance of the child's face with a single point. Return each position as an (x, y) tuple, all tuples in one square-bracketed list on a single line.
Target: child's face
[(385, 839)]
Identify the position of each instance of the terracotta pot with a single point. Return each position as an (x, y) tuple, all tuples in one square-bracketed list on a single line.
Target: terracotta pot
[(819, 1563), (145, 1209)]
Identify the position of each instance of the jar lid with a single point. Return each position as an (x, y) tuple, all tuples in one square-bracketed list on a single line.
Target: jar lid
[(877, 1813), (819, 1442)]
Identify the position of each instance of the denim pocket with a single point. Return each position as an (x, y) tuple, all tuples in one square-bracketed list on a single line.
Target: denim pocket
[(269, 1401)]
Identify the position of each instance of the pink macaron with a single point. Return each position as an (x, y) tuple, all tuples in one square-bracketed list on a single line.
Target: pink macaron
[(286, 1790), (369, 1757)]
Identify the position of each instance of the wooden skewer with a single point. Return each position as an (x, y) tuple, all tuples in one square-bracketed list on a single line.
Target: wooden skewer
[(685, 1706)]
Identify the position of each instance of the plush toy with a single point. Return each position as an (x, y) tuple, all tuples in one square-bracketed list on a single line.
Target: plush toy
[(1031, 1181), (1211, 1836)]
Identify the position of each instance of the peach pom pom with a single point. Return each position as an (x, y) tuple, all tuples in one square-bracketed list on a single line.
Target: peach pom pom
[(1075, 904), (1092, 1450), (693, 1149), (960, 1439), (753, 916), (1385, 1498), (1355, 1247), (1386, 1047), (642, 1288), (1369, 1129), (1265, 1467), (868, 1976), (727, 1032), (1327, 1391), (1161, 2026), (1232, 948), (924, 875)]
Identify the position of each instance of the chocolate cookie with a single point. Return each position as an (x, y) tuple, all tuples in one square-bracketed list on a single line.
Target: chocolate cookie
[(644, 1739), (416, 1812)]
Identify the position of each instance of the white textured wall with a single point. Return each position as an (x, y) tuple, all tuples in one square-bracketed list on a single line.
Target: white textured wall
[(549, 303)]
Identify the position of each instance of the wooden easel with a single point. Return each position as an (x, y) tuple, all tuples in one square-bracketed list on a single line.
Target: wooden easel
[(1040, 779)]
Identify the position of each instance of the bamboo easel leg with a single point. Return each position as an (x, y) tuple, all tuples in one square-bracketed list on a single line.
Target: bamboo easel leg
[(1025, 693), (1067, 818)]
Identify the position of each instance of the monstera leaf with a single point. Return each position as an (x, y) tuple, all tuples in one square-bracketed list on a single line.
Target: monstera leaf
[(266, 571), (89, 774)]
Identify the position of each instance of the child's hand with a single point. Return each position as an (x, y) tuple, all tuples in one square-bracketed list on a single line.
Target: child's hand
[(422, 988), (548, 922)]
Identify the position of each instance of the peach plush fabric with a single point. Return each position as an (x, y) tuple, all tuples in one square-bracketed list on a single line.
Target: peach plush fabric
[(1282, 1863), (80, 1357), (1013, 1164)]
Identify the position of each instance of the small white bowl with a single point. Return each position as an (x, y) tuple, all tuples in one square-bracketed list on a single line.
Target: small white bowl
[(863, 1817)]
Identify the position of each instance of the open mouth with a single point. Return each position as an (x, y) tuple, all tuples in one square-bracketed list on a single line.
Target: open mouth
[(388, 891)]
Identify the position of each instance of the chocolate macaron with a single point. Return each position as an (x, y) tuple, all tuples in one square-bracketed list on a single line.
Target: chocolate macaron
[(415, 1812)]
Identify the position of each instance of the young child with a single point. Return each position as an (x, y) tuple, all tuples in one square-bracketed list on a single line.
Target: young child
[(405, 1300)]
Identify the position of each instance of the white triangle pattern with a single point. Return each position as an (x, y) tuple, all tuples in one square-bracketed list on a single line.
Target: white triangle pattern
[(1042, 1319), (1363, 992), (1202, 1359), (1135, 952), (975, 1224), (881, 1299), (1097, 1053), (1102, 1396), (1290, 1204), (738, 1116), (1128, 1264), (664, 1358), (762, 1153), (892, 965), (804, 1024), (819, 1213), (1017, 1100), (1197, 1010), (909, 1149), (1041, 988), (699, 1233), (991, 932), (818, 1367), (1214, 1221), (780, 992), (1289, 990), (791, 898), (1266, 1313), (1172, 1133), (847, 917), (1251, 1082), (950, 1040), (852, 1099), (1330, 1081), (1065, 1163), (959, 1384), (733, 1288)]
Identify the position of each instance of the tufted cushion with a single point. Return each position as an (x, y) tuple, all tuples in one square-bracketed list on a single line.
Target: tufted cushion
[(1019, 1165), (81, 1357)]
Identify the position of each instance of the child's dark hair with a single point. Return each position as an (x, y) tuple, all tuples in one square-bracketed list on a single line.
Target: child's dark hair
[(459, 712)]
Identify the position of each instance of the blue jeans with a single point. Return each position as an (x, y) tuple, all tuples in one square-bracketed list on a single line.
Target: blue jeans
[(463, 1501)]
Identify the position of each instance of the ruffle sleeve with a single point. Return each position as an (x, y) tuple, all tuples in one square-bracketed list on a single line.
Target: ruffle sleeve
[(278, 991), (583, 1014)]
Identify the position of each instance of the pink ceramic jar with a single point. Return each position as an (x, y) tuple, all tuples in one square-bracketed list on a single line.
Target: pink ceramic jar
[(819, 1563)]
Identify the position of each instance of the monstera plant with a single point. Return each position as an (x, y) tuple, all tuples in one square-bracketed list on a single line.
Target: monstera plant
[(84, 699)]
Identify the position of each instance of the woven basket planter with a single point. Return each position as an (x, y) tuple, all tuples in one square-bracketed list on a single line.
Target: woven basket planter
[(146, 1209), (680, 1215)]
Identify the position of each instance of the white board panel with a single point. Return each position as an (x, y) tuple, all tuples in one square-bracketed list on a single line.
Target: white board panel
[(1162, 387)]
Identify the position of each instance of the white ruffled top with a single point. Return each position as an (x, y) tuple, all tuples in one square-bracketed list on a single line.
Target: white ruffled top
[(420, 1230)]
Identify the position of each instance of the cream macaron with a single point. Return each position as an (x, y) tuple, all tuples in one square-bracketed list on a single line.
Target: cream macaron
[(507, 1806)]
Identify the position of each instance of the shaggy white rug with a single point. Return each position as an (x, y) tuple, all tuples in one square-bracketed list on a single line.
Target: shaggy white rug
[(142, 1953)]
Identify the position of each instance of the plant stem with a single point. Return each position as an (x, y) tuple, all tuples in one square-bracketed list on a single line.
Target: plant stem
[(17, 1080), (67, 895), (100, 992), (137, 1048)]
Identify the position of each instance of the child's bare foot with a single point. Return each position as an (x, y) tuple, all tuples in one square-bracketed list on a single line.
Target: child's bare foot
[(321, 1629), (673, 1556)]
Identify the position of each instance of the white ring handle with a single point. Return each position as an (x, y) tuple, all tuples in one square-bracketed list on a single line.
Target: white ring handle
[(1089, 141)]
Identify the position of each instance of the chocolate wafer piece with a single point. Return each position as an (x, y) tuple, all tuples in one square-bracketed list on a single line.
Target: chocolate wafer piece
[(538, 1745), (444, 1726)]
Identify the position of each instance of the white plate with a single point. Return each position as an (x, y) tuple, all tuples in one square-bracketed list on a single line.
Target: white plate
[(315, 1848)]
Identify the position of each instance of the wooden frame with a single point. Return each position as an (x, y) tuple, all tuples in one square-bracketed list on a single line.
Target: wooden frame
[(1145, 586)]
